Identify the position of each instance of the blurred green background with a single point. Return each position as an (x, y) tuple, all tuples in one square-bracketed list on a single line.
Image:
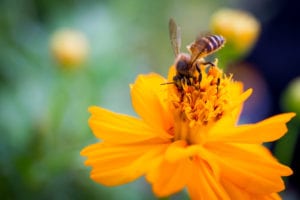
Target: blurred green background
[(43, 119)]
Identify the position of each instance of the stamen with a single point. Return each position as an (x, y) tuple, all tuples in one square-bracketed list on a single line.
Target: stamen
[(200, 103)]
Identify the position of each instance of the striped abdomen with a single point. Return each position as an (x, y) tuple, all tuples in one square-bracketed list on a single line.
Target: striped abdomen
[(206, 45)]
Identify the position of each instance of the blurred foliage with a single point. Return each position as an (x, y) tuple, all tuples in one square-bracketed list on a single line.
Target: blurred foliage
[(290, 102), (43, 119)]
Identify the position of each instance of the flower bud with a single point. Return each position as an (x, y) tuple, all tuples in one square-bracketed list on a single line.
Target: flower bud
[(240, 28), (69, 47)]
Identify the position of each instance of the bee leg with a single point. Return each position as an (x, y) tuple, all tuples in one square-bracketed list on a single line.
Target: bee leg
[(218, 84), (208, 63), (177, 79), (199, 71), (188, 80)]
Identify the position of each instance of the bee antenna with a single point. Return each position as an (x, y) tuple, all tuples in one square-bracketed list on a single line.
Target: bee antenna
[(167, 83)]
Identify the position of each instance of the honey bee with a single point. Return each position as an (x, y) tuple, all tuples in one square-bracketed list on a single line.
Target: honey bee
[(186, 64)]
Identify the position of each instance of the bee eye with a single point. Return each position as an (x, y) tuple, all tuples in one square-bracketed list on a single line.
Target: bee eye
[(182, 66)]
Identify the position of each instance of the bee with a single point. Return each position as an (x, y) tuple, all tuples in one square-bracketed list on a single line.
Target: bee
[(186, 64)]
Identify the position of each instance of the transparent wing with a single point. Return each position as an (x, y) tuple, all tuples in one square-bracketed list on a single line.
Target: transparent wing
[(198, 48), (175, 36)]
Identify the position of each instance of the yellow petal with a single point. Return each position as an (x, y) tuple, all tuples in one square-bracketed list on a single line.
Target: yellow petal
[(250, 167), (238, 97), (273, 196), (115, 165), (170, 178), (179, 150), (121, 129), (265, 131), (203, 184), (149, 99), (235, 192), (171, 73)]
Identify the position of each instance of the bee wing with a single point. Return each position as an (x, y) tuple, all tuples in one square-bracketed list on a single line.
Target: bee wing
[(197, 48), (175, 36)]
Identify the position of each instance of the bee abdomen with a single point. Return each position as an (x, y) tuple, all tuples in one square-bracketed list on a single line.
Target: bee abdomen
[(213, 43)]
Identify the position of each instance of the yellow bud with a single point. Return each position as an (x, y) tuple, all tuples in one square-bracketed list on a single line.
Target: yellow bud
[(69, 47), (240, 28)]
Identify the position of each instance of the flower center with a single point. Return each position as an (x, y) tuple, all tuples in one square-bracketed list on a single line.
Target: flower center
[(198, 105)]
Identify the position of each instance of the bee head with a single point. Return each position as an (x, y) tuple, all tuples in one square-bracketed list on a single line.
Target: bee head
[(183, 64)]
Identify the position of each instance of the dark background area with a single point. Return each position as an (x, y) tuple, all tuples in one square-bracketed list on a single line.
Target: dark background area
[(277, 56)]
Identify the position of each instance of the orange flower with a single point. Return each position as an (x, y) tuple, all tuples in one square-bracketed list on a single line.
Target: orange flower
[(188, 138)]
